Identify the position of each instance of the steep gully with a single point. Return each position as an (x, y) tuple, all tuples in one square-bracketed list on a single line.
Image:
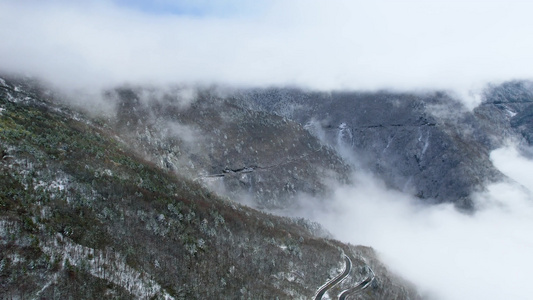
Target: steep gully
[(351, 291)]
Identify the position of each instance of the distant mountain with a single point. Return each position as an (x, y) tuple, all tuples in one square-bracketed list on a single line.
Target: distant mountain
[(241, 153), (266, 146), (116, 207), (507, 113), (426, 144)]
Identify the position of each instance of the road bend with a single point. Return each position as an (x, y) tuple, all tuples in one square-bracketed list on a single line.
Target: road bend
[(358, 288), (328, 285)]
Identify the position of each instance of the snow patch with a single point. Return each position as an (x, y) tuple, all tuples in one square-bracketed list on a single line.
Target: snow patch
[(511, 113), (56, 185), (7, 228), (344, 134), (15, 258), (423, 138), (426, 144), (104, 264), (10, 98)]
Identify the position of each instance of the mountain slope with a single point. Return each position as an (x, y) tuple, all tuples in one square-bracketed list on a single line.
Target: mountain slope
[(242, 153), (267, 146), (507, 113), (417, 143), (83, 217)]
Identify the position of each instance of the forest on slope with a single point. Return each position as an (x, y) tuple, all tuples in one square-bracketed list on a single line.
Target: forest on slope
[(84, 216)]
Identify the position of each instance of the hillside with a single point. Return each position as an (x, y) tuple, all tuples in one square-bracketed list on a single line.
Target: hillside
[(84, 216), (417, 143), (252, 156), (265, 147)]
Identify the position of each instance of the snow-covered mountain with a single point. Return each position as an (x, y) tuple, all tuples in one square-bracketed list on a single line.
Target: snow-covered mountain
[(268, 145), (169, 193), (114, 207)]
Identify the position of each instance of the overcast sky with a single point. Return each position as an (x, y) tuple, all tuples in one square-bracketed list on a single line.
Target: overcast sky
[(317, 44)]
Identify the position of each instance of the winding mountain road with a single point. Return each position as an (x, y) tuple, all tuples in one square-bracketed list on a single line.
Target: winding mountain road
[(328, 285), (358, 288)]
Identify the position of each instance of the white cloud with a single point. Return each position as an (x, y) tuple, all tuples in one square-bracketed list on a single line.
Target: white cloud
[(448, 254), (514, 165), (318, 44), (188, 134)]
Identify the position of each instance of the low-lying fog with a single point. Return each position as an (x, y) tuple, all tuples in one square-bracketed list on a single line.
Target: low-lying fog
[(448, 254)]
